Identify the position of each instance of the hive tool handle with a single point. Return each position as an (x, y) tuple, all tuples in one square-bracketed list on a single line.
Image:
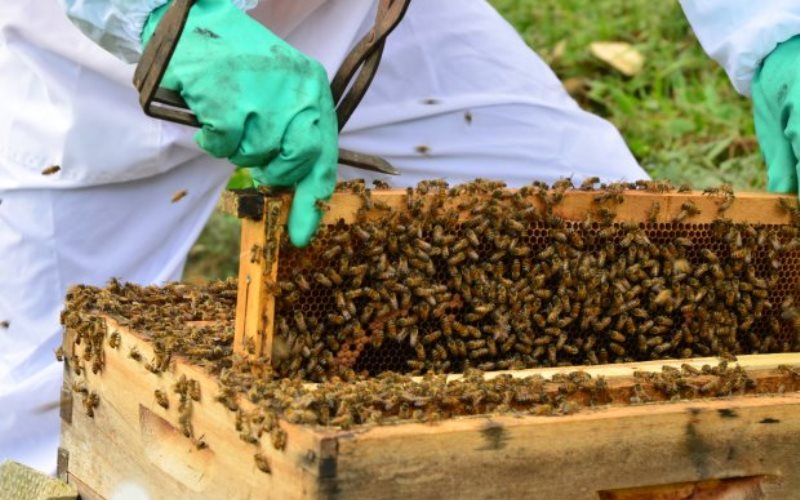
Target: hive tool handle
[(363, 61)]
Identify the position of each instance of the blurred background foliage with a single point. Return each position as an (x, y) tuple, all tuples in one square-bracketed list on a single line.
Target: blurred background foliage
[(679, 114)]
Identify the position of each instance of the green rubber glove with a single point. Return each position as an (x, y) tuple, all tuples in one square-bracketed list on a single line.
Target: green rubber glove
[(776, 108), (261, 103)]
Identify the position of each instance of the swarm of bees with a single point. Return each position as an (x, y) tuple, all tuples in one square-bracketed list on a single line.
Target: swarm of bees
[(165, 315), (478, 276)]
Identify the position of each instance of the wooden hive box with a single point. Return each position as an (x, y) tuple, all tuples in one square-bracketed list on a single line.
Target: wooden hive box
[(742, 446)]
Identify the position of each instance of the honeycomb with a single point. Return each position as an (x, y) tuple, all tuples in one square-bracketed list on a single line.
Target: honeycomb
[(511, 286)]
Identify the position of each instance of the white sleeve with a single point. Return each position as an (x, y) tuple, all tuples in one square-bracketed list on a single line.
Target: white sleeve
[(739, 34), (116, 25)]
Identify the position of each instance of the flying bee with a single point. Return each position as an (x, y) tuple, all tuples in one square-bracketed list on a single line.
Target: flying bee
[(179, 195), (53, 169), (5, 324)]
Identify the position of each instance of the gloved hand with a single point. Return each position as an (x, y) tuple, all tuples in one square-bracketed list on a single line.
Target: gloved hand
[(776, 102), (261, 103)]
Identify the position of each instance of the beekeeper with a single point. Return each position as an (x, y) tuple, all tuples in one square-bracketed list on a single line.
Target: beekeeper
[(458, 95)]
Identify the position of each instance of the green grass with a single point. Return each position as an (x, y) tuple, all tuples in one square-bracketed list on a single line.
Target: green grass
[(680, 116)]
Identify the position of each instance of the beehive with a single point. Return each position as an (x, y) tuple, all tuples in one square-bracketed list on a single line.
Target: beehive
[(155, 396), (677, 274), (666, 428)]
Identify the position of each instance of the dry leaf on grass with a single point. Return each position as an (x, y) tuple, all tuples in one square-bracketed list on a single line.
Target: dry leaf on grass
[(619, 55)]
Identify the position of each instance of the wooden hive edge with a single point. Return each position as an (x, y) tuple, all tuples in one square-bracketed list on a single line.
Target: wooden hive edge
[(747, 207), (133, 439)]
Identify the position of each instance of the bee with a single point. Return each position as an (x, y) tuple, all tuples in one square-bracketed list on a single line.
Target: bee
[(422, 149), (652, 213), (618, 349), (710, 256), (200, 443), (468, 117), (90, 402), (262, 463), (185, 418), (588, 183), (179, 195), (688, 209), (616, 336), (278, 437), (5, 324), (194, 389), (322, 205), (53, 169), (114, 340), (134, 354), (162, 399), (80, 388), (332, 252), (60, 354), (323, 280)]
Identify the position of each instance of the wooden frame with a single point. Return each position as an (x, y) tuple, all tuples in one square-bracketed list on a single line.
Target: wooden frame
[(743, 444), (263, 217)]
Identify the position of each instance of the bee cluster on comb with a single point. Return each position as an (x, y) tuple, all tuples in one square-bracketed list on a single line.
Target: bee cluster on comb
[(480, 276)]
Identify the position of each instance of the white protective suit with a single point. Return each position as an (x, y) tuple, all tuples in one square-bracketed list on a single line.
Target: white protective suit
[(64, 101)]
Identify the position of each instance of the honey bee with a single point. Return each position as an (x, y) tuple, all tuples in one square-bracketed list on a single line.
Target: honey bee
[(278, 437), (53, 169), (114, 340), (194, 389), (5, 324), (79, 387), (589, 182), (179, 195), (90, 402), (262, 462), (688, 209), (162, 399), (618, 349), (134, 354)]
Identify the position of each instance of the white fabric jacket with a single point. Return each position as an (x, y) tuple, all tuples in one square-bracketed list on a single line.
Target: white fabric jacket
[(739, 34)]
